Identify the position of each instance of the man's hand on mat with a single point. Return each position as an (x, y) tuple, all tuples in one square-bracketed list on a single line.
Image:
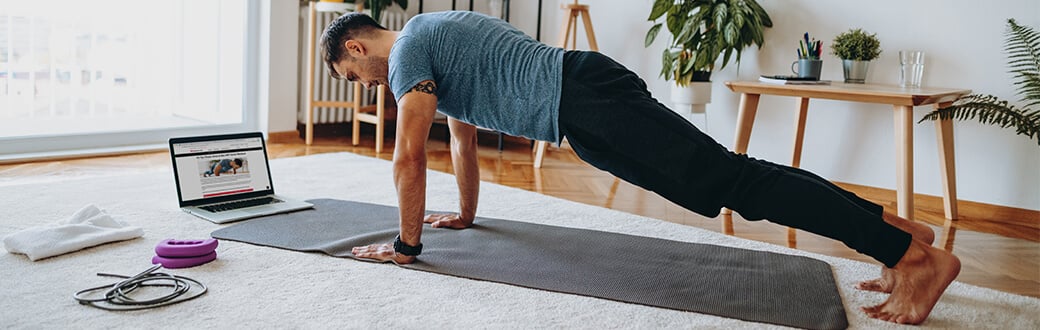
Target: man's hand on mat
[(448, 221), (382, 253)]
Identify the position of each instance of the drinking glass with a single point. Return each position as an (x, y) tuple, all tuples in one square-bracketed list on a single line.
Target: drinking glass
[(911, 68)]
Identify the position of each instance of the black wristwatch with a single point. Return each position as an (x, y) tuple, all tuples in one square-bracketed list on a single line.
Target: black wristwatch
[(406, 249)]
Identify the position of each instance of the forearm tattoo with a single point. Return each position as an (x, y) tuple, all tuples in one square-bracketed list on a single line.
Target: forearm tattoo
[(427, 87)]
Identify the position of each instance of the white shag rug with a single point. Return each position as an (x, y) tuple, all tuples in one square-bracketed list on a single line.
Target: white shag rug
[(257, 287)]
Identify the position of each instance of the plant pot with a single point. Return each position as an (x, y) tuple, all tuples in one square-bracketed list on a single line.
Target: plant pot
[(336, 6), (855, 71), (691, 99)]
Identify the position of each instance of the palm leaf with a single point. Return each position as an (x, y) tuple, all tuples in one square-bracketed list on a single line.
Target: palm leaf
[(1022, 45), (1023, 48), (989, 109)]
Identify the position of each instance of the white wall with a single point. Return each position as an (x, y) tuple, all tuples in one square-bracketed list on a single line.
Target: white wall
[(846, 142), (279, 24)]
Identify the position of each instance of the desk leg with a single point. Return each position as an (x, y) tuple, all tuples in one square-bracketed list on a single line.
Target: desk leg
[(796, 156), (799, 132), (745, 120), (904, 139), (944, 132)]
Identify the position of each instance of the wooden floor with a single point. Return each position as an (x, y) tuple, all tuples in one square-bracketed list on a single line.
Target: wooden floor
[(998, 246)]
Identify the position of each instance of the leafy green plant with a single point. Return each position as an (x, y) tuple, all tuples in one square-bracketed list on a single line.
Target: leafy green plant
[(855, 44), (377, 6), (1022, 44), (701, 31)]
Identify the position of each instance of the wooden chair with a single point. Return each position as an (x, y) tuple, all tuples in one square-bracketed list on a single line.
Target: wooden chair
[(377, 114)]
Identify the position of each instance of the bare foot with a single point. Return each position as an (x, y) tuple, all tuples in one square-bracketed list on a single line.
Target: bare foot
[(918, 280), (917, 230), (881, 284)]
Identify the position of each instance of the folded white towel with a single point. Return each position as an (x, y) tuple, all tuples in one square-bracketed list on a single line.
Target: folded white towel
[(88, 227)]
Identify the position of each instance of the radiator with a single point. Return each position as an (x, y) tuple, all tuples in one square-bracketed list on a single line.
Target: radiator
[(326, 88)]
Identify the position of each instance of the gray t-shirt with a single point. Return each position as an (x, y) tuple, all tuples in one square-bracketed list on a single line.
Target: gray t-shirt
[(488, 73)]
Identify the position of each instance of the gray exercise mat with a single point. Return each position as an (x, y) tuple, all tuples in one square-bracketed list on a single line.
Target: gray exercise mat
[(736, 283)]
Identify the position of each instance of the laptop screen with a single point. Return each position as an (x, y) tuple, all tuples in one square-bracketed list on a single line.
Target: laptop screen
[(220, 169)]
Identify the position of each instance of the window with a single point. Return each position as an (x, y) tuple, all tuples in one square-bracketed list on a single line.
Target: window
[(102, 73)]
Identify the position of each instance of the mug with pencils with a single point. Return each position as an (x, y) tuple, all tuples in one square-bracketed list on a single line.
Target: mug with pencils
[(809, 63)]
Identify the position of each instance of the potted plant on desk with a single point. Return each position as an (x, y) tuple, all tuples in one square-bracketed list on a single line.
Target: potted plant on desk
[(702, 30), (856, 48)]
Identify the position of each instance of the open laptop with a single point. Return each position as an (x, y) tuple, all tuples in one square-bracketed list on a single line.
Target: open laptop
[(224, 178)]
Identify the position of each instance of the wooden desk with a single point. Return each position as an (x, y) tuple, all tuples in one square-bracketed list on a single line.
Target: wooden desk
[(903, 101)]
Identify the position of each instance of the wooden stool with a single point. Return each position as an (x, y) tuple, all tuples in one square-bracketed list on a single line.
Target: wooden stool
[(569, 33), (373, 114), (312, 45), (570, 26)]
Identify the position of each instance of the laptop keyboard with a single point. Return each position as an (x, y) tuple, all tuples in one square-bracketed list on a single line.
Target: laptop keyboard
[(240, 204)]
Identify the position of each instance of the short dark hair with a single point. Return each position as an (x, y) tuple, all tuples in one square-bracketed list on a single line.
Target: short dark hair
[(238, 161), (346, 27)]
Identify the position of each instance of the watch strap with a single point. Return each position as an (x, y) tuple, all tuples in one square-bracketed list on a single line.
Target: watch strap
[(405, 249)]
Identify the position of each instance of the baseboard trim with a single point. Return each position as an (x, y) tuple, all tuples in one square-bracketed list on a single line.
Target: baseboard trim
[(975, 216), (80, 153), (284, 137)]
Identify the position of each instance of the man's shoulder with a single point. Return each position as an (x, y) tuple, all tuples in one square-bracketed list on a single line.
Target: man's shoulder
[(445, 18), (448, 15), (435, 29)]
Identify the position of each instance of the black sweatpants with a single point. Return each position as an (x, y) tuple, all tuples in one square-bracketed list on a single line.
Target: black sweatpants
[(614, 124)]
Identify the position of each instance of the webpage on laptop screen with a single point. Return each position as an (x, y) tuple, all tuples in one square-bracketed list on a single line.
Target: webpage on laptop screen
[(219, 168)]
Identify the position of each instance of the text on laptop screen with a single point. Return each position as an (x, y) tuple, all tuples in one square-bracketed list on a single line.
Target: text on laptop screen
[(220, 168)]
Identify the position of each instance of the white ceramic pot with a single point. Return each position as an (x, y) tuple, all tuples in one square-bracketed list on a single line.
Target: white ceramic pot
[(691, 99)]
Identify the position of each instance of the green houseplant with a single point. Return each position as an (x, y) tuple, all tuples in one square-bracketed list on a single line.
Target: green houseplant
[(1022, 44), (376, 7), (702, 30), (856, 48)]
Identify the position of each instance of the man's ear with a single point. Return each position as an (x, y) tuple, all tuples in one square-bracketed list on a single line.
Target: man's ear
[(354, 48)]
